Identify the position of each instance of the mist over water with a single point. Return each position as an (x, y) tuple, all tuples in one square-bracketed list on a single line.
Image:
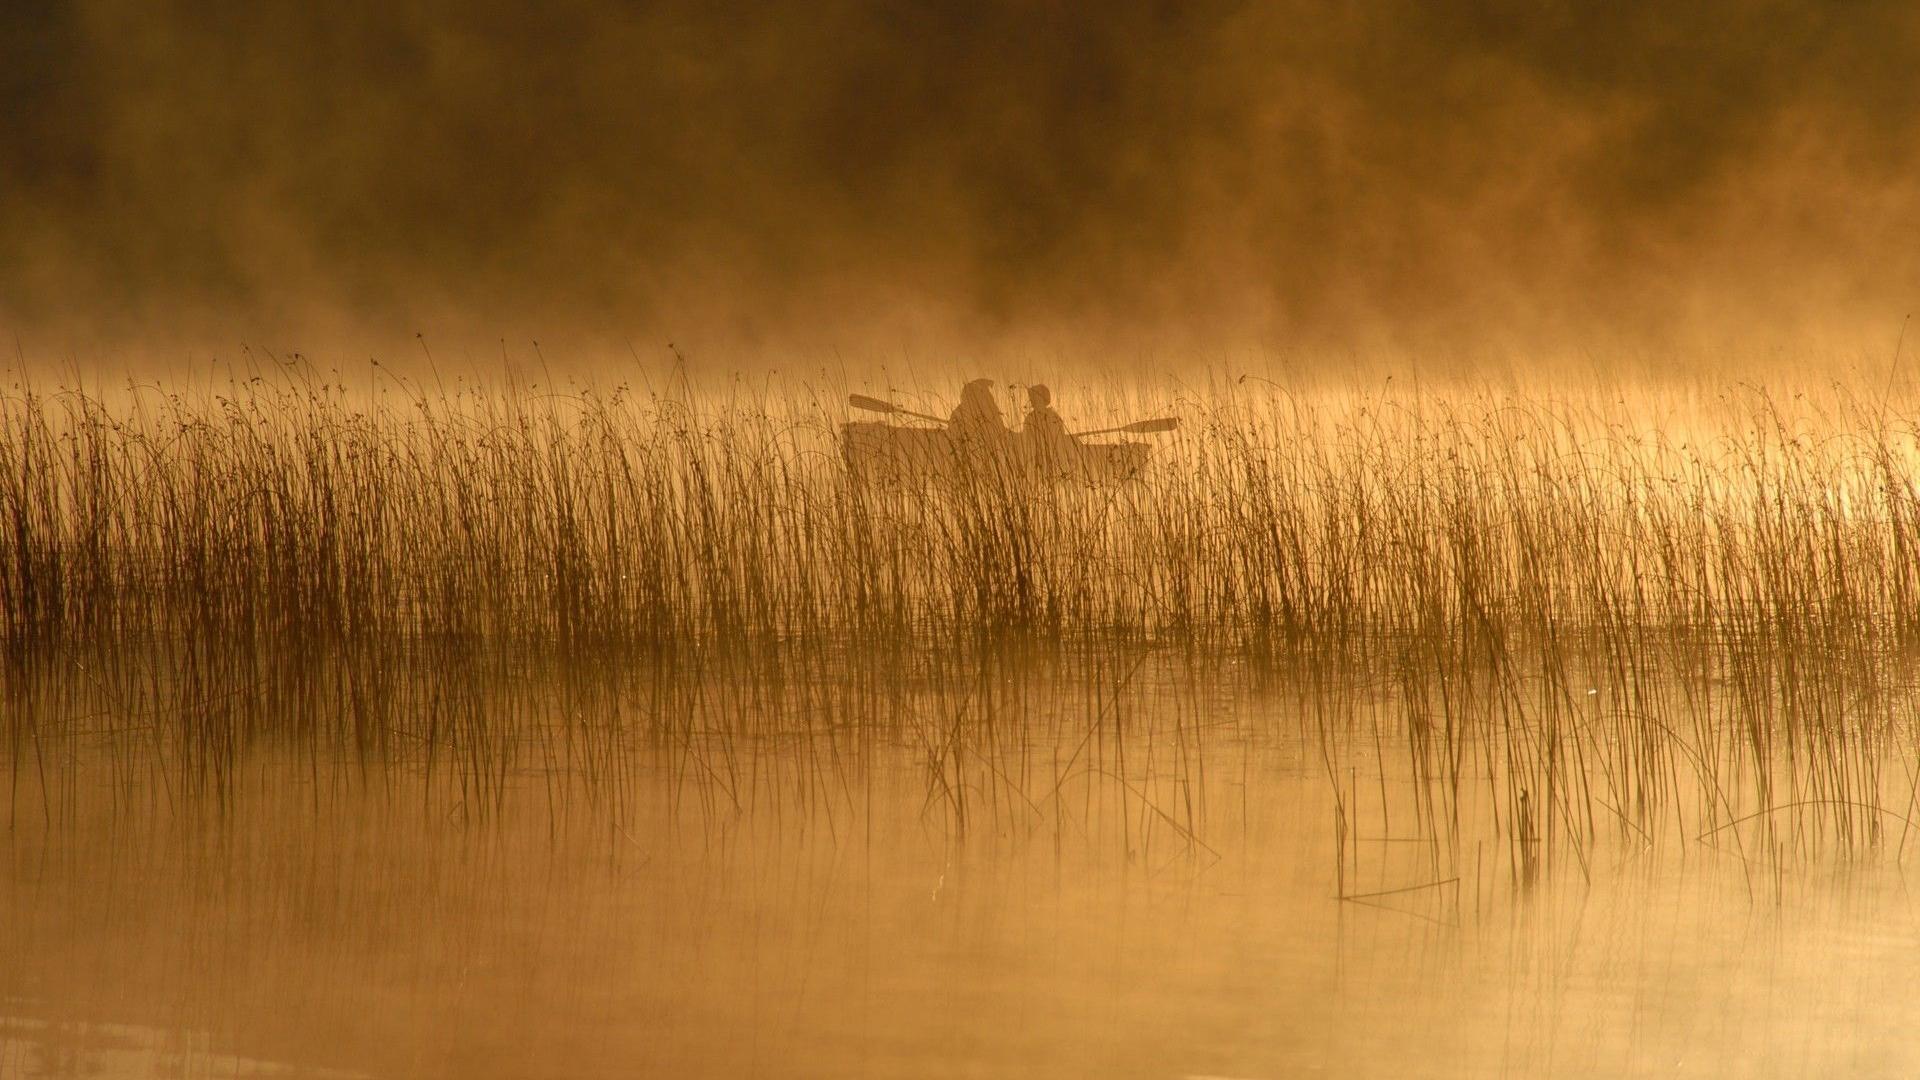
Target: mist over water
[(500, 574), (1133, 182)]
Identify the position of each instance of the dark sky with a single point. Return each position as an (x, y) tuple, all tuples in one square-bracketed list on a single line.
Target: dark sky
[(868, 175)]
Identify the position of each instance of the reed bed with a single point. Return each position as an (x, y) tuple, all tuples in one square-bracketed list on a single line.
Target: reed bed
[(1573, 618), (613, 521)]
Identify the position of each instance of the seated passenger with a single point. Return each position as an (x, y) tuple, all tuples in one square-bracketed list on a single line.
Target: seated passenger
[(1045, 433)]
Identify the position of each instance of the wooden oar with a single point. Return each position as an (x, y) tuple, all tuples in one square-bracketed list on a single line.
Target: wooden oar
[(1138, 427), (862, 401)]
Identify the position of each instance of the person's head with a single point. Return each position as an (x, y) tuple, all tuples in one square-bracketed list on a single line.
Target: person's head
[(978, 394), (1039, 396)]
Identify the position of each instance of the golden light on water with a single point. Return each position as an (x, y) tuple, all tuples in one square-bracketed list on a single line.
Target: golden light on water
[(882, 540)]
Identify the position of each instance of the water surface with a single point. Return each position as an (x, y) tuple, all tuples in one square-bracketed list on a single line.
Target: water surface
[(1163, 870)]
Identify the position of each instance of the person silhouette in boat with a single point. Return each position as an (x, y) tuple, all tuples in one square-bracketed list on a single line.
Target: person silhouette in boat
[(976, 422), (1044, 433)]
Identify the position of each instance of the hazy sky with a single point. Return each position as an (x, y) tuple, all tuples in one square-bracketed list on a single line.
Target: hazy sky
[(934, 174)]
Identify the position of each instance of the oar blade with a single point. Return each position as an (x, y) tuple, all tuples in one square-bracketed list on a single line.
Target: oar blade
[(862, 401), (1148, 427)]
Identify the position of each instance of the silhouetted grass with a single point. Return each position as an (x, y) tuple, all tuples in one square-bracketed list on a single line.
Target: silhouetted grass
[(1577, 620)]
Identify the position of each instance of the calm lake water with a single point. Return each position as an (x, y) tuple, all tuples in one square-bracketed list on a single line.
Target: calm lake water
[(1072, 876)]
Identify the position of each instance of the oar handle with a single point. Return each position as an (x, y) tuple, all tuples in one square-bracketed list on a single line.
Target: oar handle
[(921, 416)]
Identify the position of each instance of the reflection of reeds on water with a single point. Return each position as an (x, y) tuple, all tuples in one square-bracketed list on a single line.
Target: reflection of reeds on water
[(1561, 625)]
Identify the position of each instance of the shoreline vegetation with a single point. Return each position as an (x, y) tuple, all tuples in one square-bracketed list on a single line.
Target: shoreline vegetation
[(1560, 622), (609, 518)]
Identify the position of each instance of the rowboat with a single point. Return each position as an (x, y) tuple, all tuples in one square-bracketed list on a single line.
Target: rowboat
[(889, 453)]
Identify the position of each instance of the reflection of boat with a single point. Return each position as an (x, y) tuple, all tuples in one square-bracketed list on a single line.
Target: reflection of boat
[(889, 453)]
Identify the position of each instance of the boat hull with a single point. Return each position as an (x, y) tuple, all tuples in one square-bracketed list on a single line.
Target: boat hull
[(887, 453)]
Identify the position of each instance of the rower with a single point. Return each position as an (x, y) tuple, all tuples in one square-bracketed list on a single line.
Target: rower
[(977, 420)]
